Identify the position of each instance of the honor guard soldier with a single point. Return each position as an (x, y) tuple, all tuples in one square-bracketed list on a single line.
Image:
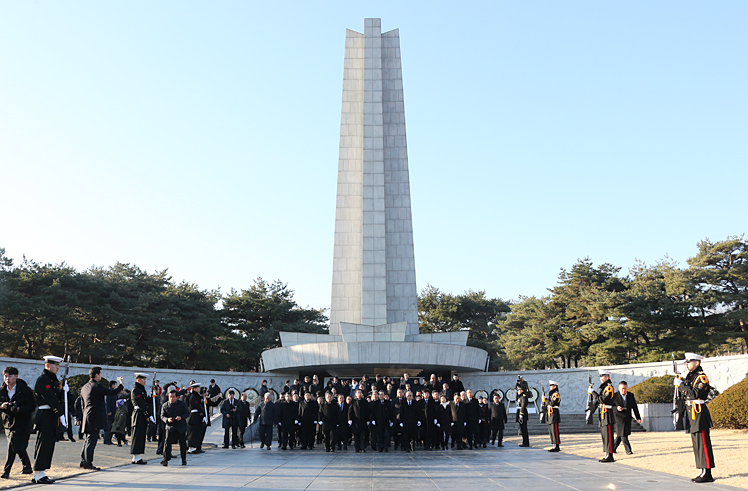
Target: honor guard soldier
[(141, 414), (554, 417), (522, 412), (604, 398), (50, 412), (197, 420), (697, 419)]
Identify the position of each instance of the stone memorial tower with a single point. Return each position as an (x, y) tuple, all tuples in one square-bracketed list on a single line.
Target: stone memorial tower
[(374, 311)]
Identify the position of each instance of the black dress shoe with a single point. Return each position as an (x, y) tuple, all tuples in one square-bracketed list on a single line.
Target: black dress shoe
[(91, 467), (705, 478), (499, 445), (43, 480), (184, 462), (140, 462), (629, 452), (27, 470), (609, 458), (5, 475), (165, 463)]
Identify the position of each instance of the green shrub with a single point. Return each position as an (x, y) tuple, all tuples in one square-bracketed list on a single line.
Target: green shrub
[(654, 390), (728, 408)]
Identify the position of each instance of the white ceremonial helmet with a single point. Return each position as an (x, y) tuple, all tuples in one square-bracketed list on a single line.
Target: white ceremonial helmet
[(552, 382), (693, 356), (52, 359), (602, 371)]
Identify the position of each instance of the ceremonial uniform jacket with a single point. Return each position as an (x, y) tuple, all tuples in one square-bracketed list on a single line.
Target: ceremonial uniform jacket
[(328, 415), (497, 416), (695, 388), (17, 417), (197, 409), (522, 407), (605, 400), (169, 410), (552, 404), (47, 392), (141, 404), (358, 414), (623, 418)]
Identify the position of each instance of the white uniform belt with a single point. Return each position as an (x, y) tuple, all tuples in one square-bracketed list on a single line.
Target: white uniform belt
[(606, 406), (46, 406), (554, 407), (194, 411), (699, 401)]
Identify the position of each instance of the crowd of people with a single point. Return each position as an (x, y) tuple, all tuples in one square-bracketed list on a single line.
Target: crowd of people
[(377, 414)]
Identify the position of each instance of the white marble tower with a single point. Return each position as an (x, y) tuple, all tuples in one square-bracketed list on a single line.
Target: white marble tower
[(374, 275)]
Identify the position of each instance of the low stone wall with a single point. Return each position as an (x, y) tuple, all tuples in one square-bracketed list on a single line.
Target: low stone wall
[(29, 370), (722, 371), (656, 417)]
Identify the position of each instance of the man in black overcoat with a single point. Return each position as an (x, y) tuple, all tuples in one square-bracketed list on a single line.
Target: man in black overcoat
[(497, 418), (174, 414), (267, 414), (410, 421), (142, 409), (459, 421), (94, 414), (230, 411), (624, 404)]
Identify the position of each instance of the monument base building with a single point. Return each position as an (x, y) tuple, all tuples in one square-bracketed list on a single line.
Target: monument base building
[(374, 311)]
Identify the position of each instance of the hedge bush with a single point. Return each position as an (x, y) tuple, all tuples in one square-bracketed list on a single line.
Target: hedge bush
[(729, 408), (654, 390)]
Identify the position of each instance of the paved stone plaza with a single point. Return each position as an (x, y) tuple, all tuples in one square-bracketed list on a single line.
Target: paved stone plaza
[(510, 468)]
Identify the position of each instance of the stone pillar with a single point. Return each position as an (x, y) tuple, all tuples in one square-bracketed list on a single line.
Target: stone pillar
[(373, 267)]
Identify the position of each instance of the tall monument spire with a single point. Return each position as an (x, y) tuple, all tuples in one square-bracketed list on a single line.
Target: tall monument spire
[(374, 315), (374, 278)]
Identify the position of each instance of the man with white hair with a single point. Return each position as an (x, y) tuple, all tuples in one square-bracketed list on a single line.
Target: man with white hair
[(604, 397), (697, 419), (267, 414)]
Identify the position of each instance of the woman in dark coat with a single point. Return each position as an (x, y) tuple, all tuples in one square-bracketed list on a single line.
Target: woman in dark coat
[(443, 421)]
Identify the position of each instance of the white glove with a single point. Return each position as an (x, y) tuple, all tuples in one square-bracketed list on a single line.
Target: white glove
[(464, 424), (316, 422), (296, 421), (66, 387), (63, 421), (419, 423), (390, 424), (153, 419), (350, 422), (453, 423), (374, 423), (589, 390), (435, 422), (677, 381), (205, 420), (368, 423), (280, 424)]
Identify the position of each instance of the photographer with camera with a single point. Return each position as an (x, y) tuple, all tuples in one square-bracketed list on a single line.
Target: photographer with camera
[(17, 404)]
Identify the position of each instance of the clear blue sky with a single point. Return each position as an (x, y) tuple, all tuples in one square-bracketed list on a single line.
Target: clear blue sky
[(202, 137)]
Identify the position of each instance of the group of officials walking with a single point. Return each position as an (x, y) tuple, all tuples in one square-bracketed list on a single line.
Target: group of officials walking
[(371, 418)]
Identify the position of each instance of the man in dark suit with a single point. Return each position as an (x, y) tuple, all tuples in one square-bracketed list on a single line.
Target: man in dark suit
[(17, 404), (410, 421), (174, 414), (496, 420), (456, 385), (267, 414), (94, 414), (472, 415), (459, 421), (230, 411), (380, 416), (328, 419), (244, 415), (358, 416), (624, 403)]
